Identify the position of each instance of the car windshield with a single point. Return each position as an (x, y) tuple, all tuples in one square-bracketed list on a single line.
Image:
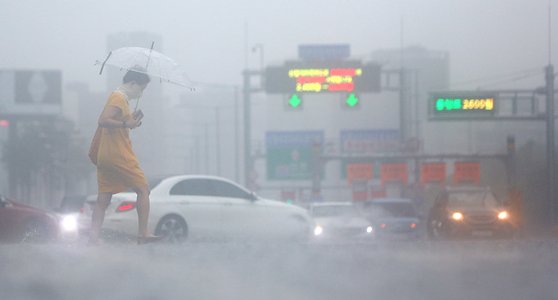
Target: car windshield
[(391, 209), (333, 211), (472, 199)]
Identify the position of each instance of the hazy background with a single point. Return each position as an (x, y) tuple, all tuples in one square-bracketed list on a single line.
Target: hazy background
[(212, 39), (491, 45)]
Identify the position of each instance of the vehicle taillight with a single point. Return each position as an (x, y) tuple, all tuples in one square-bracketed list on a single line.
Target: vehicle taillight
[(413, 225), (126, 206)]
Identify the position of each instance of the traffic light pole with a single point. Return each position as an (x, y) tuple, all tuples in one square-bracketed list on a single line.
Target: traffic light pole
[(247, 92), (402, 105), (550, 148)]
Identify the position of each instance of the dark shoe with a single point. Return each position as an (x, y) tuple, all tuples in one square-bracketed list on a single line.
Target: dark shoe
[(149, 239)]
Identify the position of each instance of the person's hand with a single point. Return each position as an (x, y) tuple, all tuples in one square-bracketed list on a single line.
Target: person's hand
[(133, 123), (138, 114), (136, 118)]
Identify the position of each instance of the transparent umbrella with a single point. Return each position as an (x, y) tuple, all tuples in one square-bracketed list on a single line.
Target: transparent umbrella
[(148, 61)]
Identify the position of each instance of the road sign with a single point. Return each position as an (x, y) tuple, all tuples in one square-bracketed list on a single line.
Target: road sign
[(462, 105), (30, 92), (323, 77), (369, 141), (466, 172), (324, 52), (290, 154), (433, 172), (362, 171), (394, 172)]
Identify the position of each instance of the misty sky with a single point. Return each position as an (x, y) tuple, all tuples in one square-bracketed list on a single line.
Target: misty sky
[(485, 38)]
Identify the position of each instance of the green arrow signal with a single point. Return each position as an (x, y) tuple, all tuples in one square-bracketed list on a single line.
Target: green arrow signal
[(352, 100), (295, 101)]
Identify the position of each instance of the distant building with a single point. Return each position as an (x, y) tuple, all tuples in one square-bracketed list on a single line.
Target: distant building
[(426, 70)]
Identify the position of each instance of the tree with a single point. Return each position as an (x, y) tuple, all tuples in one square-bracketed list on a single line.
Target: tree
[(46, 152)]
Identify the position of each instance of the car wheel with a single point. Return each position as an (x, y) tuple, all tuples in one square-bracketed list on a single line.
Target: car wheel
[(35, 231), (173, 228)]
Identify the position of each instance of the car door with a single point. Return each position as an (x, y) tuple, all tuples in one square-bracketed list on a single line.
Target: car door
[(242, 215), (10, 220), (195, 200), (6, 219)]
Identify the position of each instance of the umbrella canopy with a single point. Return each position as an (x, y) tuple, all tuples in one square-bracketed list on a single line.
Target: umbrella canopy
[(148, 61)]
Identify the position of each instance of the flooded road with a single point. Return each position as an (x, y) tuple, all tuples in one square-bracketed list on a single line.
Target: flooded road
[(524, 269)]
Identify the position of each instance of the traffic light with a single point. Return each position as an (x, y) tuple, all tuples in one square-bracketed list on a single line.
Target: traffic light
[(351, 101), (294, 102)]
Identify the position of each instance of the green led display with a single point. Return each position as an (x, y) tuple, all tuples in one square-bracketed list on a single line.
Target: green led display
[(295, 101), (352, 100), (462, 105), (470, 104)]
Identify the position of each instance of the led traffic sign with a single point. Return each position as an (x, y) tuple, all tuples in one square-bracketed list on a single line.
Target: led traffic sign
[(462, 105), (294, 102), (352, 101), (323, 77)]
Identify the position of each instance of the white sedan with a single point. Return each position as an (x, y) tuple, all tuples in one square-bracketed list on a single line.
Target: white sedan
[(199, 207)]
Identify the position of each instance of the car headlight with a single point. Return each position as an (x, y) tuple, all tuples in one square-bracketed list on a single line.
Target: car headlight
[(369, 229), (457, 216), (69, 223), (318, 230), (503, 215)]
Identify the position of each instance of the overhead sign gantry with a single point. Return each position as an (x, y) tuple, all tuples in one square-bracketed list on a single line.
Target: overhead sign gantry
[(296, 78)]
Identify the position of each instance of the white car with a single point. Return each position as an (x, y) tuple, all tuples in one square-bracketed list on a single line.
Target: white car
[(199, 207), (339, 221)]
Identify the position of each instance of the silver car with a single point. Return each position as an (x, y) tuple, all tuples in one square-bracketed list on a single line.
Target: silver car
[(339, 221)]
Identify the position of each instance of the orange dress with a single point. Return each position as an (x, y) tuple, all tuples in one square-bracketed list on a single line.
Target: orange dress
[(117, 165)]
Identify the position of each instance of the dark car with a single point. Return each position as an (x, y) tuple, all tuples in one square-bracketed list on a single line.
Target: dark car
[(468, 211), (24, 223), (393, 218)]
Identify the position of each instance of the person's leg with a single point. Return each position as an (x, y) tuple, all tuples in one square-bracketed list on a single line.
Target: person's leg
[(143, 211), (103, 201)]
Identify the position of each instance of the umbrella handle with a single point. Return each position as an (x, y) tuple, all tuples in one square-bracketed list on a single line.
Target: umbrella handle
[(104, 62), (137, 104)]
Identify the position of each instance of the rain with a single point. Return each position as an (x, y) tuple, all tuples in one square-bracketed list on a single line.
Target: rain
[(334, 149)]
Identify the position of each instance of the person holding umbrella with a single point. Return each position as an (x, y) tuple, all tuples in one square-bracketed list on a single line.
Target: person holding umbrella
[(111, 151)]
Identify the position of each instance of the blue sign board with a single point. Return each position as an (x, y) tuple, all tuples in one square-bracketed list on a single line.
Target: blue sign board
[(324, 52), (289, 154), (370, 141)]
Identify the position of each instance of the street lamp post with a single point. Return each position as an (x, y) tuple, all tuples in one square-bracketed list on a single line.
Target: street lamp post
[(259, 47), (247, 131)]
